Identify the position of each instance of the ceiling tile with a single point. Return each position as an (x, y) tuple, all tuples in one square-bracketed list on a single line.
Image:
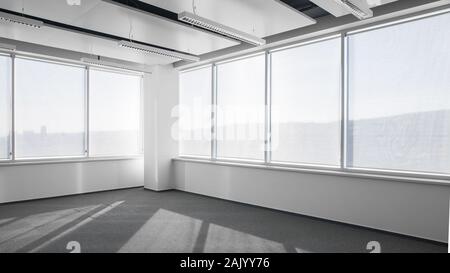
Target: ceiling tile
[(261, 18)]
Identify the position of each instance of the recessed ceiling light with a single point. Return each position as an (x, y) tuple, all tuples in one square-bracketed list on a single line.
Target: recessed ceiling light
[(11, 18), (204, 23), (158, 51)]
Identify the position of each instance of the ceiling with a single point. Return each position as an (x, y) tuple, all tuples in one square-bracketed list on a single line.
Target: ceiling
[(102, 16), (261, 18), (307, 7), (337, 10)]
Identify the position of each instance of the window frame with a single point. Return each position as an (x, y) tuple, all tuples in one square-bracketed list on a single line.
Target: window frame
[(14, 138), (141, 112), (212, 67), (10, 109), (215, 106), (340, 101), (343, 168), (86, 157), (346, 94)]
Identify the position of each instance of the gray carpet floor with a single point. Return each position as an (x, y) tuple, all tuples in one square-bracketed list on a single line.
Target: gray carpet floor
[(138, 220)]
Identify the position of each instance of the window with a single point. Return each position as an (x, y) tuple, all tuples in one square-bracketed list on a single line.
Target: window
[(399, 97), (114, 113), (51, 117), (195, 112), (241, 108), (306, 89), (5, 106), (49, 109), (396, 102)]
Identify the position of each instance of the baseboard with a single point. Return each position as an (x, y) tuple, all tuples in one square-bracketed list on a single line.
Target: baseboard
[(157, 190)]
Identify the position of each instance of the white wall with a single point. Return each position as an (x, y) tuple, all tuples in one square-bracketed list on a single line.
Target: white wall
[(24, 182), (160, 147), (420, 210)]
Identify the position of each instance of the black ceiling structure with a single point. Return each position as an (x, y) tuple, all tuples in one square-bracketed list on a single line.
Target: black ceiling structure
[(147, 8), (307, 7)]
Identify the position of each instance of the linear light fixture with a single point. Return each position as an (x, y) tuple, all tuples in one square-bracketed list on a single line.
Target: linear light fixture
[(7, 47), (360, 12), (11, 18), (204, 23), (158, 51), (108, 64), (102, 63)]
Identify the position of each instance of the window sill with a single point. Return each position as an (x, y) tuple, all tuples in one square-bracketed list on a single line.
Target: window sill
[(43, 161), (323, 171)]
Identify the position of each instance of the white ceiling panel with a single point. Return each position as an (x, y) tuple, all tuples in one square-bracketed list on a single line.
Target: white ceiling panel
[(337, 10), (104, 17), (260, 18), (78, 42)]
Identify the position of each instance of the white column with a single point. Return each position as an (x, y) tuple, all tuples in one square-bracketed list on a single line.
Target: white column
[(160, 98)]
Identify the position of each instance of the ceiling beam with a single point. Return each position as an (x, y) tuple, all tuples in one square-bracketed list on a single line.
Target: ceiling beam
[(146, 8)]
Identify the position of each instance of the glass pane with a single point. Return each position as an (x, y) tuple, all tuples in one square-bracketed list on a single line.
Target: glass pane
[(241, 104), (49, 108), (400, 97), (5, 106), (195, 112), (114, 113), (306, 104)]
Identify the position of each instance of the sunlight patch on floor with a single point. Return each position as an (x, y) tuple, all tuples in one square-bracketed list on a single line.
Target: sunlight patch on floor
[(223, 239), (299, 250), (6, 220), (165, 231), (29, 229), (77, 226)]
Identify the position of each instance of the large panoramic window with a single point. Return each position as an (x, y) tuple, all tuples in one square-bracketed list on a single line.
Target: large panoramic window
[(114, 113), (195, 112), (5, 106), (399, 97), (306, 88), (240, 106), (49, 109)]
